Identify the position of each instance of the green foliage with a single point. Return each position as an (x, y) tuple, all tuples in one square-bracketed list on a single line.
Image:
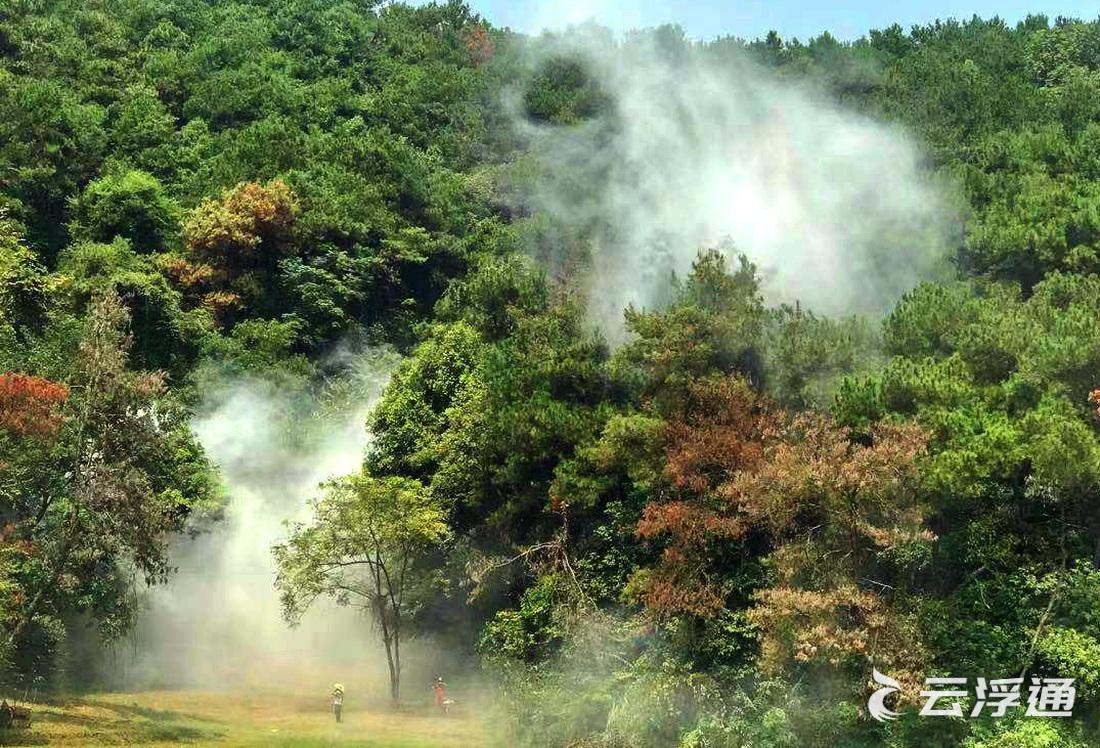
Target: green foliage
[(530, 632), (109, 470), (165, 336), (412, 417), (563, 92), (362, 548), (1072, 654), (1024, 733), (377, 524), (716, 322), (229, 188), (24, 287), (131, 205), (254, 182), (657, 705), (371, 114), (257, 348), (806, 354), (1037, 205)]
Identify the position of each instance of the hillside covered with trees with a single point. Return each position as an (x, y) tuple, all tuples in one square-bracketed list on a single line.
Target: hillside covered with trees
[(707, 530)]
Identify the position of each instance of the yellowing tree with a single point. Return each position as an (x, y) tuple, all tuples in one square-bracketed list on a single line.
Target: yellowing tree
[(234, 244)]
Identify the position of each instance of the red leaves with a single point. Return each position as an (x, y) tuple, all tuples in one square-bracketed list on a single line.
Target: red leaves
[(479, 45), (678, 584), (829, 509), (666, 593), (719, 432), (28, 405), (687, 523)]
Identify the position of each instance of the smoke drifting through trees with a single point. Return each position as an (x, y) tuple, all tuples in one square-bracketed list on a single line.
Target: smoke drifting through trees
[(694, 148), (697, 146), (218, 623)]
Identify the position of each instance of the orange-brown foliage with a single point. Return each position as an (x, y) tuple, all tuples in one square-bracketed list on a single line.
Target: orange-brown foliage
[(832, 507), (720, 432), (827, 505), (227, 231), (479, 45), (222, 304), (832, 626), (187, 275), (233, 241), (812, 474), (28, 405), (665, 593)]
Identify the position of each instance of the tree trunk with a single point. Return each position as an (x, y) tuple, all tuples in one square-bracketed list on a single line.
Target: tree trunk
[(395, 668), (389, 639), (395, 676)]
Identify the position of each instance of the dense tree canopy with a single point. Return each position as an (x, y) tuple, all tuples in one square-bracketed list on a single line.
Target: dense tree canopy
[(707, 533)]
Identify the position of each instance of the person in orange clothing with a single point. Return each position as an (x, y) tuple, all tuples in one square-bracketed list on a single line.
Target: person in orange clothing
[(440, 689)]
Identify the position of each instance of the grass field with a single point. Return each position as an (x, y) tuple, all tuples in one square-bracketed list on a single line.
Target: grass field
[(206, 718)]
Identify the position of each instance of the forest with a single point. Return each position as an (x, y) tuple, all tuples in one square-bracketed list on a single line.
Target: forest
[(673, 463)]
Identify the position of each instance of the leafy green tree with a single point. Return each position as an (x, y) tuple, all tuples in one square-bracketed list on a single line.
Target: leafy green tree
[(164, 336), (52, 139), (132, 205), (715, 323), (143, 131), (122, 474), (563, 92), (363, 547), (24, 286)]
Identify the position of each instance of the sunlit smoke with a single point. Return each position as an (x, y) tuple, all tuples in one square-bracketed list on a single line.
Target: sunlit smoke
[(701, 147), (218, 622)]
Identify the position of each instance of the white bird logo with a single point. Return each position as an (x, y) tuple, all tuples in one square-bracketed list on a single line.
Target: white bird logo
[(877, 703)]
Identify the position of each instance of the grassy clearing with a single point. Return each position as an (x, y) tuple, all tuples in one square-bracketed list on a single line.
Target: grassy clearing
[(205, 718)]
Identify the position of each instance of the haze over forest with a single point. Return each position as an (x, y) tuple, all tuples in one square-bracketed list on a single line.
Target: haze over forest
[(654, 391)]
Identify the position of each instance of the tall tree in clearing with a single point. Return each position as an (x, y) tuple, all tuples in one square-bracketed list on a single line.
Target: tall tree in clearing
[(364, 548)]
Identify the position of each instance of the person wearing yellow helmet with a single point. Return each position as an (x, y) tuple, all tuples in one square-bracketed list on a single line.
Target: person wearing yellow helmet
[(337, 699)]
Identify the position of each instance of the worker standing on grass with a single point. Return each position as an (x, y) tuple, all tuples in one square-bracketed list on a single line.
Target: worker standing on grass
[(440, 689), (337, 700)]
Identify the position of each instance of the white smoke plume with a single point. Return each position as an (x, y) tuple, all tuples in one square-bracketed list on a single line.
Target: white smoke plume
[(218, 622), (702, 148)]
